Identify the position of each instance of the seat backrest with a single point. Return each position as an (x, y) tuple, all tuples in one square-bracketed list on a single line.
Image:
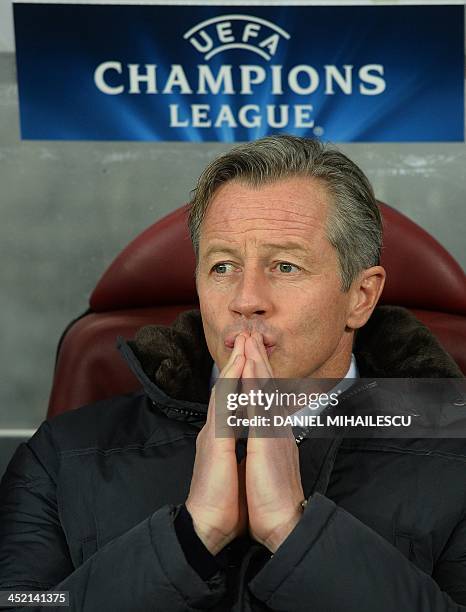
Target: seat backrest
[(152, 280)]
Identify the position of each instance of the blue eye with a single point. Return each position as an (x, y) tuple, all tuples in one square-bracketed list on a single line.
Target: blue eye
[(221, 268), (286, 267)]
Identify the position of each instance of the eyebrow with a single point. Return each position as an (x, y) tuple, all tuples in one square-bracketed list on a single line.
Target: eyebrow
[(270, 246)]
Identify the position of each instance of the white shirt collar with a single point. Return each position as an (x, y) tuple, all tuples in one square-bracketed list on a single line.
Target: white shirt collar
[(353, 371)]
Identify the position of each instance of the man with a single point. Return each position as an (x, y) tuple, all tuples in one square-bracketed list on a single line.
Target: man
[(136, 504)]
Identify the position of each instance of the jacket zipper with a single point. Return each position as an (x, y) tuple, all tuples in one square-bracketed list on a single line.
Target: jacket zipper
[(346, 395), (182, 410)]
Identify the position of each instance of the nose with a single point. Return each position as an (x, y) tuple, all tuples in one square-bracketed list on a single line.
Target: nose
[(251, 295)]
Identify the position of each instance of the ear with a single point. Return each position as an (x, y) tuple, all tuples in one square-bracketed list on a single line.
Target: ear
[(365, 292)]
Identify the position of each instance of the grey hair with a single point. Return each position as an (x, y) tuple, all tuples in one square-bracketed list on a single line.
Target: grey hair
[(354, 226)]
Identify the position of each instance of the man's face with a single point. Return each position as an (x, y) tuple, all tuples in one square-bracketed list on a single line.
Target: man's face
[(266, 264)]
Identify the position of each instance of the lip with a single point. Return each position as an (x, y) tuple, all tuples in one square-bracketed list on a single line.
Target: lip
[(230, 342)]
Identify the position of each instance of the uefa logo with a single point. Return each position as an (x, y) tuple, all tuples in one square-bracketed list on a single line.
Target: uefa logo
[(219, 34)]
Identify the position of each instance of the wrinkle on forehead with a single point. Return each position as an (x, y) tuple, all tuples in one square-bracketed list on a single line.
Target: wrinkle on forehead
[(297, 207), (289, 219), (242, 225)]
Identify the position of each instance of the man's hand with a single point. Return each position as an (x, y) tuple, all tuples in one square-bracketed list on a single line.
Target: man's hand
[(273, 480), (216, 500), (269, 478)]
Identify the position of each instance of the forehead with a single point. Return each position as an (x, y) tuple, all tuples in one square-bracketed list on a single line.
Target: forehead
[(295, 208)]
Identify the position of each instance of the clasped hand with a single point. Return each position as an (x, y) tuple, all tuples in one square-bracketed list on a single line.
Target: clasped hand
[(263, 493)]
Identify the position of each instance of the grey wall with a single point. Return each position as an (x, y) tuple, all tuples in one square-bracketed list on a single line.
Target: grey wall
[(68, 208)]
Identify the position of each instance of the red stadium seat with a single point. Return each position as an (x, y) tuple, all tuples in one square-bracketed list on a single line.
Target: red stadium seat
[(152, 280)]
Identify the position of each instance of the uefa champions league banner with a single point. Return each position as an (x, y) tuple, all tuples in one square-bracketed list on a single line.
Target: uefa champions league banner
[(223, 73)]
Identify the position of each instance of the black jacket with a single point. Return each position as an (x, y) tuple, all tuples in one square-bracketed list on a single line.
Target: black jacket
[(88, 504)]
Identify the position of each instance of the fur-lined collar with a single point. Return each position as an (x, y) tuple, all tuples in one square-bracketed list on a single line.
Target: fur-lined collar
[(393, 344)]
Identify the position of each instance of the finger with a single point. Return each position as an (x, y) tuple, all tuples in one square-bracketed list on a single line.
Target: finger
[(262, 350), (233, 368), (255, 349), (252, 351), (226, 384), (238, 350), (247, 384), (249, 370)]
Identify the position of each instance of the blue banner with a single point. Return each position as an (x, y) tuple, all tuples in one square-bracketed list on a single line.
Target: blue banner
[(217, 73)]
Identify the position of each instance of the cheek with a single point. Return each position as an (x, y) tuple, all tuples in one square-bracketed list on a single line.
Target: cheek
[(210, 298), (211, 310), (317, 320), (209, 321)]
